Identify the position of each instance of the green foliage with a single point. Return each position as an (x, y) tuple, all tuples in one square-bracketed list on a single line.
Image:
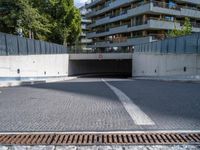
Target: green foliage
[(22, 15), (186, 29), (57, 21)]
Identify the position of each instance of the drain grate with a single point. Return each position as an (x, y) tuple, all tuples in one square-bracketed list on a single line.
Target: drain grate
[(99, 139)]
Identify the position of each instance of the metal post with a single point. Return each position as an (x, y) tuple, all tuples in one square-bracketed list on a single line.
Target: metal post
[(7, 53), (175, 45), (18, 46), (27, 46)]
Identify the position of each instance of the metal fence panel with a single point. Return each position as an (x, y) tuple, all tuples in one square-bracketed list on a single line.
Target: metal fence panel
[(23, 47), (50, 48), (164, 46), (154, 46), (149, 48), (146, 47), (143, 48), (191, 44), (47, 47), (54, 49), (42, 45), (2, 44), (138, 48), (58, 48), (15, 45), (31, 46), (180, 46), (159, 45), (62, 49), (12, 44), (65, 49), (37, 47), (198, 45), (135, 48), (172, 45)]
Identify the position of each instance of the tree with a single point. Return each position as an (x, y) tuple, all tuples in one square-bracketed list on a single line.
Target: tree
[(67, 20), (186, 29), (22, 15), (57, 21)]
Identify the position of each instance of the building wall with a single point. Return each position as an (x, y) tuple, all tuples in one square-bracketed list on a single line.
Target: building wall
[(53, 65), (149, 64), (114, 23), (101, 56)]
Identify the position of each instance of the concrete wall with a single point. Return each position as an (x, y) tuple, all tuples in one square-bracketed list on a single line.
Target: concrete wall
[(79, 67), (100, 56), (147, 64), (34, 66)]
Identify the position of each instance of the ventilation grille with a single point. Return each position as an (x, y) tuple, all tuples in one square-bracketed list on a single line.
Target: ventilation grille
[(99, 139)]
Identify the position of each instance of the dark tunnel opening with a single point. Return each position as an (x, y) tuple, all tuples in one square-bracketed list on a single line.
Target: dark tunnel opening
[(101, 68)]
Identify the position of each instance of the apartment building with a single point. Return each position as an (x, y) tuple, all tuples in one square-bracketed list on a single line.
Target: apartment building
[(84, 41), (118, 25)]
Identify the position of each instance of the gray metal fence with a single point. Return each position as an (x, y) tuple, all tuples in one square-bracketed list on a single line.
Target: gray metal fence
[(186, 44), (15, 45)]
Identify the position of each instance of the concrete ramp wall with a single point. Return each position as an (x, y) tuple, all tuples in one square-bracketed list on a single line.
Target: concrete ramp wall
[(33, 66), (147, 64)]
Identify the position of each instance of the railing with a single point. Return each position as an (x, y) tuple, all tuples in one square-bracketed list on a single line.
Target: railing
[(15, 45), (189, 44), (173, 6), (111, 50)]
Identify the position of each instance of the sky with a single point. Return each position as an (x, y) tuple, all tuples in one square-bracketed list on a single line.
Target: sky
[(79, 3)]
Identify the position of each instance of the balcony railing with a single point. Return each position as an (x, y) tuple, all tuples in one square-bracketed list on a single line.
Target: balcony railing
[(155, 3)]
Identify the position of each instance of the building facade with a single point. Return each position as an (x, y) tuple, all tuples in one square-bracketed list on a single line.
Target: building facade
[(118, 25), (84, 42)]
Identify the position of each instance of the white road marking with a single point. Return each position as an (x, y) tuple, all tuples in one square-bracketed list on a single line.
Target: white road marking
[(138, 116)]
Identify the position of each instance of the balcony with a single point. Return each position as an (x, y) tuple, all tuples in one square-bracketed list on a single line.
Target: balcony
[(86, 41), (151, 23), (155, 6), (165, 8), (141, 8), (92, 3), (114, 30), (108, 7), (192, 1), (122, 42)]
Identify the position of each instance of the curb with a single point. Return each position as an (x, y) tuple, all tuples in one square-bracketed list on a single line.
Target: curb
[(170, 79), (31, 82)]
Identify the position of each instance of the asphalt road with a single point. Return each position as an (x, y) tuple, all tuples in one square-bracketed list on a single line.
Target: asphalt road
[(93, 104)]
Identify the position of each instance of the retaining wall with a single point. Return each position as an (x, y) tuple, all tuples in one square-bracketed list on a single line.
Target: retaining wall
[(33, 66), (149, 64)]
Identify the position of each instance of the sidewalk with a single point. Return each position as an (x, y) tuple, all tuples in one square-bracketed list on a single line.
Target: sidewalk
[(114, 147), (10, 83), (192, 78)]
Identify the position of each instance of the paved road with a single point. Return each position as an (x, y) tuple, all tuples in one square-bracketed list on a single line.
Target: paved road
[(93, 104)]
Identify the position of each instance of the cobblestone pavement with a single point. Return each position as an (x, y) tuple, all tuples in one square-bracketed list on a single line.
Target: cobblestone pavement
[(177, 147), (88, 104)]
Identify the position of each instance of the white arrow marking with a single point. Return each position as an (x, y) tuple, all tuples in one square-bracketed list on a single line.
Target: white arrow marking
[(138, 116)]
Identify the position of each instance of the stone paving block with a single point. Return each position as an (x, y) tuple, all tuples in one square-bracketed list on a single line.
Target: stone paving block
[(19, 147), (66, 148), (114, 147), (41, 148), (4, 148), (89, 105), (111, 148)]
